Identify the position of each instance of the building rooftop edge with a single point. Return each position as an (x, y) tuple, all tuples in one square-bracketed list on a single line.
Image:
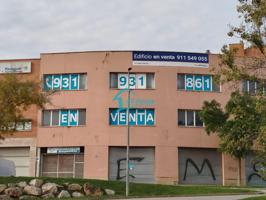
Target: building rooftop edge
[(19, 59), (114, 51)]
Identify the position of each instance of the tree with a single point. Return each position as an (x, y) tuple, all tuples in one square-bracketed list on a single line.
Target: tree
[(252, 33), (17, 96), (261, 140), (242, 124), (237, 126)]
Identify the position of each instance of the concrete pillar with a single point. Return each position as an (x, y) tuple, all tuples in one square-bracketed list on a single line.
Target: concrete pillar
[(33, 155), (230, 170), (38, 161), (166, 165), (96, 162)]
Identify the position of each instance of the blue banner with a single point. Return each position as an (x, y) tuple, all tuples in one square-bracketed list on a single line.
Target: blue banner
[(137, 117), (161, 58)]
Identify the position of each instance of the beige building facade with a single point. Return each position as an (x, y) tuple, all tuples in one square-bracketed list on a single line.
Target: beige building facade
[(83, 132), (18, 150)]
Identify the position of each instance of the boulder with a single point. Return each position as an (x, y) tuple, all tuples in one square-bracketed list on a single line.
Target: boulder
[(48, 196), (5, 197), (77, 195), (63, 194), (65, 184), (88, 189), (36, 182), (11, 185), (74, 187), (13, 192), (22, 184), (49, 188), (2, 188), (98, 192), (109, 192), (25, 197), (32, 190)]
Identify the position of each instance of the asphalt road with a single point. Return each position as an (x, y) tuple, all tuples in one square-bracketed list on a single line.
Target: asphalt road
[(231, 197), (260, 192)]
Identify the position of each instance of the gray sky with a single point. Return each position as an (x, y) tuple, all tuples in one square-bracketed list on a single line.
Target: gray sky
[(31, 27)]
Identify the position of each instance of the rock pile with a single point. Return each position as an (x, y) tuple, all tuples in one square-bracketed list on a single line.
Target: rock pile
[(37, 189)]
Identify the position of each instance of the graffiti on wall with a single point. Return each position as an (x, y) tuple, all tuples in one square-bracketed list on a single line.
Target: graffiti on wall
[(119, 169), (199, 170), (256, 172)]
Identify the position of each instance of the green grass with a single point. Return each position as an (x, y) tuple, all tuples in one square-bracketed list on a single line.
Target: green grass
[(256, 198), (141, 190)]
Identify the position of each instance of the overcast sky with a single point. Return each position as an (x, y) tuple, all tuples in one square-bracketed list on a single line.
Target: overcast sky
[(31, 27)]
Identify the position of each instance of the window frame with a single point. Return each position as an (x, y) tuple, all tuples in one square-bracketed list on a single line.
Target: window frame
[(23, 124), (186, 119), (256, 83), (59, 117), (202, 78), (133, 73), (69, 88)]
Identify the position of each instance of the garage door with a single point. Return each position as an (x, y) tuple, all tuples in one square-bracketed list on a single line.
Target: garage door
[(199, 166), (252, 171), (14, 161), (141, 164)]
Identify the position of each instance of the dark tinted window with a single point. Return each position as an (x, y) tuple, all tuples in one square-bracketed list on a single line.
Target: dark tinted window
[(181, 118), (46, 118), (82, 117), (150, 84), (190, 118), (199, 122), (252, 87), (181, 81)]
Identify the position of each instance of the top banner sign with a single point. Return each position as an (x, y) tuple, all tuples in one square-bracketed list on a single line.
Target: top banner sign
[(181, 59), (15, 67)]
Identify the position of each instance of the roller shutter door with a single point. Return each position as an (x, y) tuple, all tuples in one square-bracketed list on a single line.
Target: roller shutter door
[(200, 166), (252, 171), (14, 161), (141, 164)]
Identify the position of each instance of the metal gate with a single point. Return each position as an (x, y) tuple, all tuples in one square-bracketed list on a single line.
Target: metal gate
[(199, 166), (141, 164), (62, 165)]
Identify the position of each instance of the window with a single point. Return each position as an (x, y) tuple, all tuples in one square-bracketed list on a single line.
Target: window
[(254, 87), (195, 82), (24, 125), (198, 120), (71, 117), (46, 116), (136, 81), (181, 81), (181, 117), (65, 164), (65, 82), (55, 117), (137, 117), (189, 118)]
